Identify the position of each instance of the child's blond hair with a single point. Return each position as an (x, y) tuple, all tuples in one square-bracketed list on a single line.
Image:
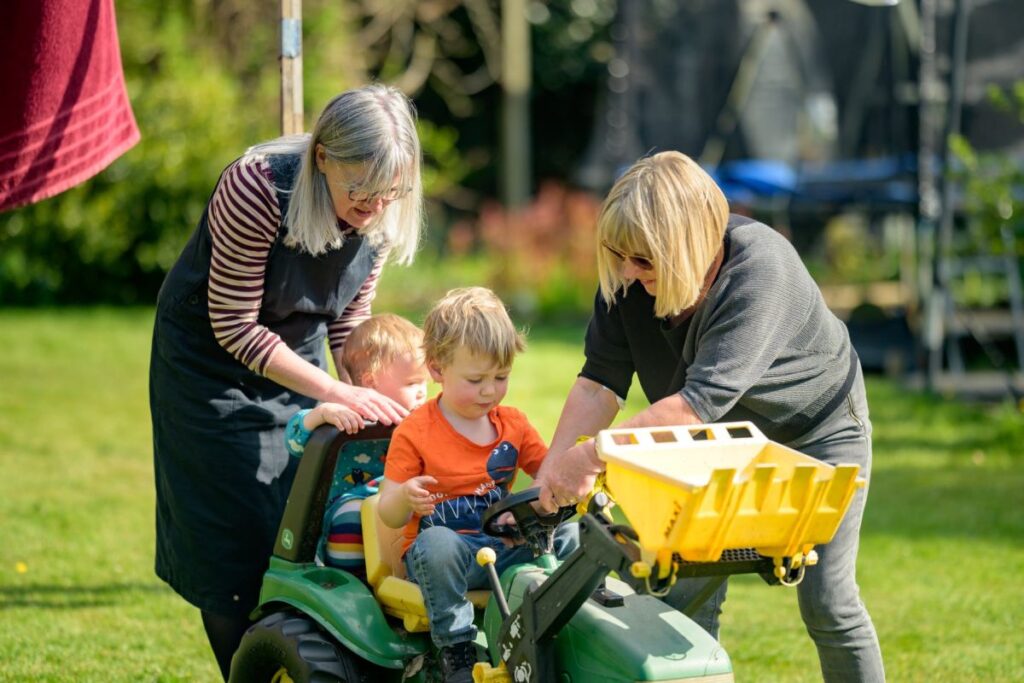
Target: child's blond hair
[(378, 341), (473, 317)]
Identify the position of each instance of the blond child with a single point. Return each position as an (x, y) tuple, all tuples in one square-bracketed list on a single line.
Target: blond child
[(384, 352), (452, 458)]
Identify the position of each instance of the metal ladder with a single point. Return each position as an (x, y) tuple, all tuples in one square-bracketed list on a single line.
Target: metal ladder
[(957, 323)]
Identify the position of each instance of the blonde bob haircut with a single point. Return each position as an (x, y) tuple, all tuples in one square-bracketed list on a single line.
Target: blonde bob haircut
[(377, 342), (667, 209), (373, 127), (474, 318)]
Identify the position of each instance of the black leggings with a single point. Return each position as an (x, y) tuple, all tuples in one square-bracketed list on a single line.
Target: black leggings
[(224, 634)]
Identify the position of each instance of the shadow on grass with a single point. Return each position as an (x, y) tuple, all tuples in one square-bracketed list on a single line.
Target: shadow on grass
[(43, 596), (967, 502)]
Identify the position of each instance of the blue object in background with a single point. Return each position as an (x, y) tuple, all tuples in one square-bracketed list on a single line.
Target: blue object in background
[(880, 182)]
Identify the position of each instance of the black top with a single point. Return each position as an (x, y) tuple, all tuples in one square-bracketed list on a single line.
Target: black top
[(222, 471)]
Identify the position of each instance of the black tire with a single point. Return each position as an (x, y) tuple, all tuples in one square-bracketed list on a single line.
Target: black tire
[(295, 643)]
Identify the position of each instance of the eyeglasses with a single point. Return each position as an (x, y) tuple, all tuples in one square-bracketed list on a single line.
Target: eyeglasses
[(360, 196), (641, 262)]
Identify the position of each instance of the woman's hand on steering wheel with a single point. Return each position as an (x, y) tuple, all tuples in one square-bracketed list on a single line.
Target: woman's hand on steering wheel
[(373, 406), (568, 477)]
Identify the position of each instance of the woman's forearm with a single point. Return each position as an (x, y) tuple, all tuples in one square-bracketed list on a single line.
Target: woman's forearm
[(288, 369), (568, 471), (671, 410), (588, 409)]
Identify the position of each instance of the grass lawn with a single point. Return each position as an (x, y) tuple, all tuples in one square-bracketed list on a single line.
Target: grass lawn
[(940, 565)]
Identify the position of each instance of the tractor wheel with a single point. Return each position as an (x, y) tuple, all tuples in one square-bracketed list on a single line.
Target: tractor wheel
[(287, 647)]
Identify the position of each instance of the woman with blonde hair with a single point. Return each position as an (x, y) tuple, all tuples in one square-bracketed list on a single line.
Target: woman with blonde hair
[(719, 320), (286, 255)]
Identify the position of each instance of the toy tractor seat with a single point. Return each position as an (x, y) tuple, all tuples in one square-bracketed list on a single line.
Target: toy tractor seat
[(385, 572)]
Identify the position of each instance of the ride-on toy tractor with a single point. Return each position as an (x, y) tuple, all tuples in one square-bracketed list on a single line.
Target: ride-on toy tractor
[(700, 500)]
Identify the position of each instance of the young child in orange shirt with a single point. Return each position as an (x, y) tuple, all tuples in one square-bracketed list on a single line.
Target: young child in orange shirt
[(452, 458)]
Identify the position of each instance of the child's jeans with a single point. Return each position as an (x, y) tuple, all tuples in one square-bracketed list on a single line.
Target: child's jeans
[(443, 563)]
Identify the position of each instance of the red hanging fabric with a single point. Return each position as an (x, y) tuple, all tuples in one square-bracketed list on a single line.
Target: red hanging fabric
[(64, 111)]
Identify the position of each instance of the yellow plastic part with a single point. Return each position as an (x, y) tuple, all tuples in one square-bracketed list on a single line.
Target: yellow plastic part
[(664, 562), (779, 571), (281, 676), (599, 486), (640, 570), (485, 673), (398, 598), (698, 490), (486, 556)]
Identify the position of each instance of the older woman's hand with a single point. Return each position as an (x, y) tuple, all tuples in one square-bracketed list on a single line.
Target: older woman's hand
[(369, 403), (567, 477)]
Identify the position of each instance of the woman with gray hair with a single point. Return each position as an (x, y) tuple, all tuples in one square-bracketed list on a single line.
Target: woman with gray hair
[(719, 320), (286, 254)]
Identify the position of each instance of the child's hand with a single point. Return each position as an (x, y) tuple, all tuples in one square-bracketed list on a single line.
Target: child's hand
[(417, 496), (345, 419), (507, 519)]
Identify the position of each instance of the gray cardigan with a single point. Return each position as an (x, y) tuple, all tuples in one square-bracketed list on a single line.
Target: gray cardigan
[(762, 346)]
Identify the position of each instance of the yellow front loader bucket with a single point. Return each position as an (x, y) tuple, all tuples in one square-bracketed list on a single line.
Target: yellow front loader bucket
[(698, 490)]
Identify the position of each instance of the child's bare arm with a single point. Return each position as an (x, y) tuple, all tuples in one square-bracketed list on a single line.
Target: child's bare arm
[(399, 501), (342, 417)]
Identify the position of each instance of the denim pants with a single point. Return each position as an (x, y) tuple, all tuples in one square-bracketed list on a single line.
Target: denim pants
[(443, 563), (829, 598)]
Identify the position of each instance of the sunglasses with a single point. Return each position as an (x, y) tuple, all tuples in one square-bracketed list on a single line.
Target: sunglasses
[(359, 196), (641, 262)]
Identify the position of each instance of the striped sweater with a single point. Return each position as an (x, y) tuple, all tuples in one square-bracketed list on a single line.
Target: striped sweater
[(244, 220)]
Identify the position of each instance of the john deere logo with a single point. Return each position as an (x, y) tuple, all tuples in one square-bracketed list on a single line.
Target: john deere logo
[(287, 539)]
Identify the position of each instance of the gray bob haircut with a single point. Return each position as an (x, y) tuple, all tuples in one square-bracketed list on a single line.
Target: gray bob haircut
[(668, 209), (374, 127)]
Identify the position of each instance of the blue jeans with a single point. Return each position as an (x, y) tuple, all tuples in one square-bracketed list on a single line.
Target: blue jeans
[(829, 598), (443, 563)]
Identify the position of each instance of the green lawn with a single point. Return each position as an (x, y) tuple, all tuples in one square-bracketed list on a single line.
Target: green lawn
[(941, 556)]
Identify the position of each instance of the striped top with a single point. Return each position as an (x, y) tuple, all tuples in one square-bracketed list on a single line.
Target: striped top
[(244, 220)]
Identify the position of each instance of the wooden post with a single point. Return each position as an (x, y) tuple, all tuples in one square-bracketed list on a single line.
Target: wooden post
[(291, 67), (515, 83)]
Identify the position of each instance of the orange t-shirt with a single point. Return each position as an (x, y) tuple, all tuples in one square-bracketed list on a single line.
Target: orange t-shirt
[(470, 477)]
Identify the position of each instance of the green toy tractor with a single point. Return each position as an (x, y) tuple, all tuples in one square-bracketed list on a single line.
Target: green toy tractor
[(591, 618)]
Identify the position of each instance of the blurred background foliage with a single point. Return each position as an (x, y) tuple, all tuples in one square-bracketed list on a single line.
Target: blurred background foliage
[(203, 79), (992, 181), (992, 186)]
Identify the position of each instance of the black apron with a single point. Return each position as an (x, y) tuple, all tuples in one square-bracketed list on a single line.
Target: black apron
[(221, 468)]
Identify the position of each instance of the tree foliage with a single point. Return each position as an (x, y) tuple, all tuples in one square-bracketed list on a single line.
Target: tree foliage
[(112, 238), (202, 77), (993, 182)]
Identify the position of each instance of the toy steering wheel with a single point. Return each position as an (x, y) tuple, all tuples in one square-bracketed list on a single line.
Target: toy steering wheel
[(538, 530)]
